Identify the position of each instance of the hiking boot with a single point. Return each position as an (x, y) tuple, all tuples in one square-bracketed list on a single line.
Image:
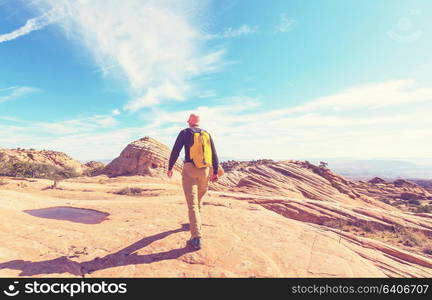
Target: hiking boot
[(195, 243)]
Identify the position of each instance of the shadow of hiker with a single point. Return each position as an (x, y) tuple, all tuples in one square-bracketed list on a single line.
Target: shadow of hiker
[(123, 257)]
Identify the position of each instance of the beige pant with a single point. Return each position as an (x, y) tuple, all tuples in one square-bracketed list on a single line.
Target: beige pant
[(195, 184)]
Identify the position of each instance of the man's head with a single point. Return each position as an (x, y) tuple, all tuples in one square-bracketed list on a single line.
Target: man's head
[(194, 120)]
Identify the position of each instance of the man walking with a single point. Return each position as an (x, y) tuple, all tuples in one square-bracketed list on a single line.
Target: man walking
[(200, 155)]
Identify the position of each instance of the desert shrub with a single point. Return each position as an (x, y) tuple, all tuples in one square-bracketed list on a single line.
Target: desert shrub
[(398, 202), (95, 168), (410, 237), (428, 249), (386, 201), (338, 224), (424, 209), (323, 165), (331, 223), (53, 186), (408, 196), (233, 165), (348, 225), (35, 170), (368, 227), (414, 202), (93, 172), (131, 191)]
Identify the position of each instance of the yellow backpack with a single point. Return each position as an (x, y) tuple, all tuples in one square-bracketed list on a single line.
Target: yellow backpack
[(200, 149)]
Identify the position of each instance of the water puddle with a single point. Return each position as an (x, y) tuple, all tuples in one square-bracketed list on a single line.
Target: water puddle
[(68, 213)]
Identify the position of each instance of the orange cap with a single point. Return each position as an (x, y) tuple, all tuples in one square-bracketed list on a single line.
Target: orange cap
[(193, 119)]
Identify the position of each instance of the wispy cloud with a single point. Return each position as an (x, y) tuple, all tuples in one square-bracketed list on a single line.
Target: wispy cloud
[(233, 32), (79, 124), (241, 128), (8, 118), (395, 127), (115, 112), (370, 97), (286, 24), (14, 92), (207, 94), (84, 138), (32, 25), (155, 44)]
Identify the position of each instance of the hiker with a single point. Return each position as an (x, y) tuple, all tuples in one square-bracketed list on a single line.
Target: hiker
[(200, 158)]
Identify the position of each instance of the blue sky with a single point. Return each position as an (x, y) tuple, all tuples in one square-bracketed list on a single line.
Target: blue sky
[(278, 79)]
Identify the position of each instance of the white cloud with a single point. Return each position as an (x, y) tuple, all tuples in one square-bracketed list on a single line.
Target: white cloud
[(84, 138), (371, 96), (11, 93), (80, 124), (8, 118), (7, 89), (153, 96), (83, 146), (155, 44), (242, 129), (286, 24), (233, 32), (115, 112), (366, 99), (207, 94), (32, 25)]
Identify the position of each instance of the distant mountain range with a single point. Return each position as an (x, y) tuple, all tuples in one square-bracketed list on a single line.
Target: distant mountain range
[(387, 169)]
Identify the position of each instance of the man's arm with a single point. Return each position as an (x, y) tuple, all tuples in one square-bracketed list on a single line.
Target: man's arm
[(215, 159), (178, 145)]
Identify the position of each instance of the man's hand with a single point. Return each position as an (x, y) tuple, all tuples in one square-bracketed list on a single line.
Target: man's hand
[(169, 173), (214, 178)]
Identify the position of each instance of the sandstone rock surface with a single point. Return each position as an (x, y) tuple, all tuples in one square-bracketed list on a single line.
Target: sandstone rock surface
[(376, 180), (316, 195), (94, 167), (293, 179), (54, 158), (396, 190), (145, 156), (261, 219), (145, 236)]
